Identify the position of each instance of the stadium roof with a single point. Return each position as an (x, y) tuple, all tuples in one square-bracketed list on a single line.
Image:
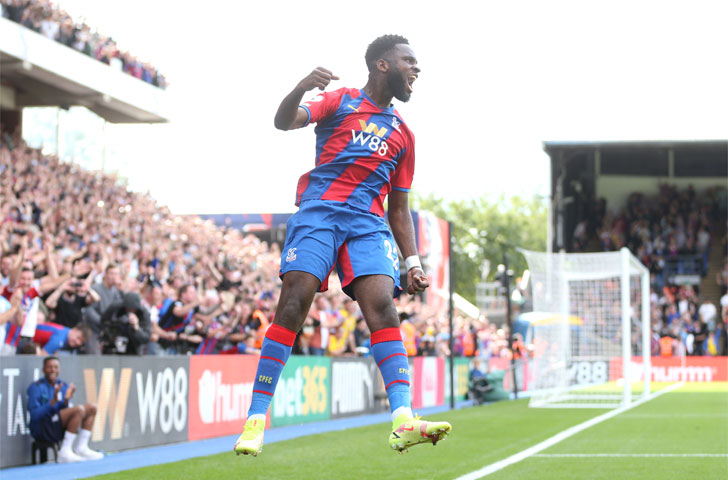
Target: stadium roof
[(37, 71), (555, 145)]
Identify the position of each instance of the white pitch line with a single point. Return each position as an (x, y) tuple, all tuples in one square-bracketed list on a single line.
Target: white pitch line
[(631, 455), (550, 442)]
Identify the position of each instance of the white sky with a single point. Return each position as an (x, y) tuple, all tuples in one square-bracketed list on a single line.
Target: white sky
[(498, 79)]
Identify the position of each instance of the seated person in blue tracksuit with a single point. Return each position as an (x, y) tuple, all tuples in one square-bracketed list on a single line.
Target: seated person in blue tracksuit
[(53, 420)]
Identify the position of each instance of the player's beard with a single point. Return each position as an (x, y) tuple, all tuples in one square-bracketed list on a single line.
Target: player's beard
[(398, 86)]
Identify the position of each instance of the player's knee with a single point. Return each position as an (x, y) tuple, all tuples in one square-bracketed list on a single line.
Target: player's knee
[(292, 313), (90, 409), (383, 311)]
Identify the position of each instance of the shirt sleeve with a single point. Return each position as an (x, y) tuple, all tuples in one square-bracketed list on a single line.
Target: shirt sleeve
[(322, 105), (57, 341), (404, 173), (37, 408)]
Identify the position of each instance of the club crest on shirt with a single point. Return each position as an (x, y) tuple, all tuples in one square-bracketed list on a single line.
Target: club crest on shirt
[(395, 124), (291, 255)]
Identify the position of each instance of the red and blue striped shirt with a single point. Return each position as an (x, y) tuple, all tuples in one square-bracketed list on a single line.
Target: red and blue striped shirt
[(362, 151), (51, 336)]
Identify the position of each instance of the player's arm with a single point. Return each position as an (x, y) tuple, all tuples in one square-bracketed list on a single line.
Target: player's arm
[(289, 116), (400, 220)]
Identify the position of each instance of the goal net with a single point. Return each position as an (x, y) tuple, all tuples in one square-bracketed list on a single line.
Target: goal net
[(598, 318)]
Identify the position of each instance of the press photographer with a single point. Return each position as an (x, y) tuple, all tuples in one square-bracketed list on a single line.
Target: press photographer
[(125, 326)]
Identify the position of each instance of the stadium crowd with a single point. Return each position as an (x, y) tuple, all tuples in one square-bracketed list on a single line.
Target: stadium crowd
[(47, 19), (671, 233), (100, 269), (683, 323)]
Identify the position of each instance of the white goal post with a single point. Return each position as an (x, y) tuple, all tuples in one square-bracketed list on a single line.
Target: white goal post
[(598, 307)]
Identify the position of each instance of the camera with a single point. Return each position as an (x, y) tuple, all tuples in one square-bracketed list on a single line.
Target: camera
[(77, 284)]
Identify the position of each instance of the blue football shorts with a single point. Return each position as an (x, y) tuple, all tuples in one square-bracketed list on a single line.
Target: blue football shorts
[(324, 234), (50, 431)]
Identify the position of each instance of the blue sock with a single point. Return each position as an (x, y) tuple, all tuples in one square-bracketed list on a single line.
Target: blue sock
[(391, 357), (274, 354)]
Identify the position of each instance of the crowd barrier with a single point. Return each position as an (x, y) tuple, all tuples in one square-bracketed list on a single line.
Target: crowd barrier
[(145, 401), (589, 372)]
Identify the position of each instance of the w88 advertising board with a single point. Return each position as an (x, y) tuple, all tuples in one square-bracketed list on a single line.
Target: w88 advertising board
[(139, 402), (144, 401)]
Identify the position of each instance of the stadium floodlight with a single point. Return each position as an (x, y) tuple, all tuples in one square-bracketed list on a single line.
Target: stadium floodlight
[(595, 316)]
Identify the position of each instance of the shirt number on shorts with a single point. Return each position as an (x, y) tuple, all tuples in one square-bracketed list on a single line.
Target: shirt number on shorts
[(392, 254)]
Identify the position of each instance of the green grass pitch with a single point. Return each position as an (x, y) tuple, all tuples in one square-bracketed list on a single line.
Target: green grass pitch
[(691, 420)]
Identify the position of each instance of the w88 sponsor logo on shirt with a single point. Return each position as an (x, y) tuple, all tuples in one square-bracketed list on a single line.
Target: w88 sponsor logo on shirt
[(371, 136)]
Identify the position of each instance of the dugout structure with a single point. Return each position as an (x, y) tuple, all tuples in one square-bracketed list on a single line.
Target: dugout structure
[(583, 357)]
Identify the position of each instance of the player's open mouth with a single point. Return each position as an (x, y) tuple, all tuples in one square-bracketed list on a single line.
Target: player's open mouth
[(410, 80)]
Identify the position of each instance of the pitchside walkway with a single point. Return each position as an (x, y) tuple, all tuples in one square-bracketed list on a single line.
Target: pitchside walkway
[(144, 457)]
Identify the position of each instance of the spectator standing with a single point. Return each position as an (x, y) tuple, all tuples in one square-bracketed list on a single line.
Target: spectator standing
[(26, 318), (109, 293), (69, 300), (8, 312), (179, 320), (708, 314), (53, 419), (716, 342), (700, 334), (49, 27)]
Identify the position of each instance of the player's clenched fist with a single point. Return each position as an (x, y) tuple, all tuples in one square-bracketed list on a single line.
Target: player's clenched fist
[(416, 281), (319, 78)]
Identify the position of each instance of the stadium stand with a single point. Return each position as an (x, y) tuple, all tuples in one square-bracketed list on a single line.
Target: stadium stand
[(672, 234), (71, 226), (676, 229), (45, 18)]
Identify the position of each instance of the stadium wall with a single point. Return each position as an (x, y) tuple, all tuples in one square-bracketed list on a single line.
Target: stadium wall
[(172, 399)]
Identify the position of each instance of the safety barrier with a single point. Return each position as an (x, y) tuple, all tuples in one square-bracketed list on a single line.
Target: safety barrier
[(144, 401)]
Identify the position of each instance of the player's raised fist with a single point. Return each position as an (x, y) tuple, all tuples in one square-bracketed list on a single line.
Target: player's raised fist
[(319, 78), (416, 281)]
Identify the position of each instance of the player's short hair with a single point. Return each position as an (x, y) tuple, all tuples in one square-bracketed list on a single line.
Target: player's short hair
[(85, 330), (381, 46), (48, 359)]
